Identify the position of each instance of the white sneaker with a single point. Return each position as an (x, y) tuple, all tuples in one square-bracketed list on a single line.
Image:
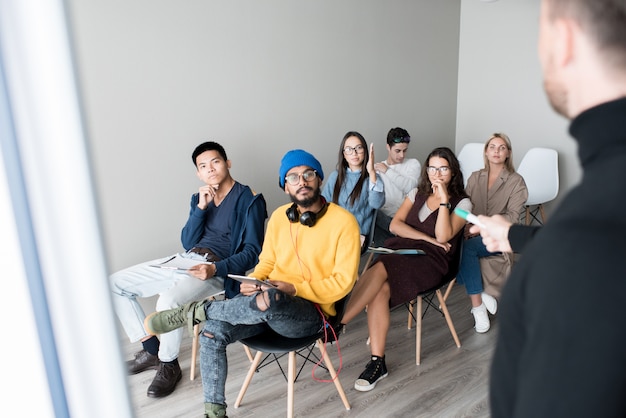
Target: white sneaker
[(481, 319), (490, 303)]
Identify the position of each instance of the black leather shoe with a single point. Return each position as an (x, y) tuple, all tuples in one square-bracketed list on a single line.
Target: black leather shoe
[(165, 380), (143, 361)]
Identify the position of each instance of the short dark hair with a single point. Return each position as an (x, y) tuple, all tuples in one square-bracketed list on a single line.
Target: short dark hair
[(396, 133), (208, 146), (603, 20)]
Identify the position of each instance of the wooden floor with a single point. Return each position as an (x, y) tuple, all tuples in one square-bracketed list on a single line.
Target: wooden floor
[(450, 382)]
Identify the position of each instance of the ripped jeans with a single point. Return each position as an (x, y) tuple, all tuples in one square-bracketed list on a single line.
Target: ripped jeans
[(231, 320)]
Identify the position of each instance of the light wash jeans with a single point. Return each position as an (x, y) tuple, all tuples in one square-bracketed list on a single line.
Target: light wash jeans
[(231, 320), (469, 270), (175, 289)]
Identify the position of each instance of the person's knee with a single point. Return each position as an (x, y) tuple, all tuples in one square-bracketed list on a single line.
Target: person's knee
[(385, 291), (269, 299), (168, 300), (215, 333), (472, 246), (117, 281)]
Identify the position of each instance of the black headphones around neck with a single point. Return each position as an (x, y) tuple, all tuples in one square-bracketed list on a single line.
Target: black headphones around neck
[(308, 218)]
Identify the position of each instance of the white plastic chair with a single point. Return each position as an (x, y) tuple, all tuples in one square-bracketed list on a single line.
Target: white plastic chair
[(540, 169), (471, 158)]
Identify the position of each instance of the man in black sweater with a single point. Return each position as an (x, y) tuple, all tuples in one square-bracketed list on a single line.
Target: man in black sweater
[(561, 349)]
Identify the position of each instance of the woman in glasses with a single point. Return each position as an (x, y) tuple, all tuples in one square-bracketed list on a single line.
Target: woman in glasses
[(354, 185), (494, 190), (424, 222)]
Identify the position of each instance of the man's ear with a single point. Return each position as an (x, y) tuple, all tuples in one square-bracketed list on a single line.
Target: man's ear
[(564, 41)]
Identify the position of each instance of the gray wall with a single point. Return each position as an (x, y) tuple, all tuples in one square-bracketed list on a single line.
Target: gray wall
[(500, 84), (261, 77), (158, 77)]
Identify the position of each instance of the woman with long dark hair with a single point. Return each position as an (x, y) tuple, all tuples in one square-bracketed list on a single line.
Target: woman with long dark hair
[(354, 185), (425, 222)]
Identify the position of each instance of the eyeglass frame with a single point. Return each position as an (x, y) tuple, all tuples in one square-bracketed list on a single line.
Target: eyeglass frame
[(443, 170), (400, 140), (359, 149), (304, 175)]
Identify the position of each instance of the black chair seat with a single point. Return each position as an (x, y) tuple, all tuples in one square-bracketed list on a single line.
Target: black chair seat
[(272, 342), (274, 346)]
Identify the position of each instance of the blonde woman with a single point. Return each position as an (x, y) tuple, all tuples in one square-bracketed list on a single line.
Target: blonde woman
[(494, 190)]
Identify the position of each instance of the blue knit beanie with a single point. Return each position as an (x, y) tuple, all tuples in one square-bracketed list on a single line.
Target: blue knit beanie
[(295, 158)]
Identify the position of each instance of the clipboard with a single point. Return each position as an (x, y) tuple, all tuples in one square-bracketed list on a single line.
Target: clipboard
[(179, 263), (251, 280), (404, 251)]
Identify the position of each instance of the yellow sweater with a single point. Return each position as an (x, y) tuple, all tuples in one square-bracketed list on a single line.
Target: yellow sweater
[(321, 261)]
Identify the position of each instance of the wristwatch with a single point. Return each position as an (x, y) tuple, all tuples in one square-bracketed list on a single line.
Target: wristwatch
[(448, 205)]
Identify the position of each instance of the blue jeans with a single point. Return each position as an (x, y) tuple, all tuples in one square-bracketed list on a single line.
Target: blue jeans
[(231, 320), (469, 270)]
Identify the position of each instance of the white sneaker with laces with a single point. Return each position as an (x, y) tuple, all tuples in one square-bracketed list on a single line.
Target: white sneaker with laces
[(490, 303), (481, 318)]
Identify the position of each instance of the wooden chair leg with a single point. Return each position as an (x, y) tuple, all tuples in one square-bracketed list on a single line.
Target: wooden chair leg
[(418, 330), (195, 342), (410, 317), (527, 215), (449, 289), (291, 377), (246, 382), (248, 353), (333, 374), (446, 314)]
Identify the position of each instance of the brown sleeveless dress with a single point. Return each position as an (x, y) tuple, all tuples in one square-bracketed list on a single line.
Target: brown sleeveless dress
[(409, 275)]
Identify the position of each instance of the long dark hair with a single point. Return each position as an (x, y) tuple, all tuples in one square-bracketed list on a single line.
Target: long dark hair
[(342, 164), (455, 188)]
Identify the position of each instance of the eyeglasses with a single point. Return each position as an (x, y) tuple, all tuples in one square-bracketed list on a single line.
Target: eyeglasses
[(349, 150), (406, 139), (433, 170), (294, 178)]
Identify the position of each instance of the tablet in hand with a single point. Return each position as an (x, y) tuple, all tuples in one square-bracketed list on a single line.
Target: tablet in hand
[(251, 280)]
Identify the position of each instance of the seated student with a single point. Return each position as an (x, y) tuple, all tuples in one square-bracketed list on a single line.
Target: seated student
[(399, 175), (226, 225), (311, 253), (355, 185), (424, 221), (494, 190)]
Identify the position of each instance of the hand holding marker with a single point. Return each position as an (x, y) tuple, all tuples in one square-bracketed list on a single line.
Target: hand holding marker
[(470, 217)]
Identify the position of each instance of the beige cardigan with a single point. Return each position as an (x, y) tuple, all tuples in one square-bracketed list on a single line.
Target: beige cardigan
[(506, 197)]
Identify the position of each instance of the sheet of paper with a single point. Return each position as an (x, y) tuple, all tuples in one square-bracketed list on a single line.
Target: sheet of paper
[(179, 263)]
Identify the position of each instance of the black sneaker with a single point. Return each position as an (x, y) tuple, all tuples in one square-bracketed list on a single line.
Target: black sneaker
[(374, 371)]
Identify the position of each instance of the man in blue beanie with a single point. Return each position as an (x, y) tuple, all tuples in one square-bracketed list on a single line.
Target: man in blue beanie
[(310, 260)]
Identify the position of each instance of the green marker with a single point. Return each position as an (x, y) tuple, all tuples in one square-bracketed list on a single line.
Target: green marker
[(470, 217)]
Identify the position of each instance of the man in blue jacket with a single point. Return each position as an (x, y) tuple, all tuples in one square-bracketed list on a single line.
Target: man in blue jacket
[(226, 227)]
